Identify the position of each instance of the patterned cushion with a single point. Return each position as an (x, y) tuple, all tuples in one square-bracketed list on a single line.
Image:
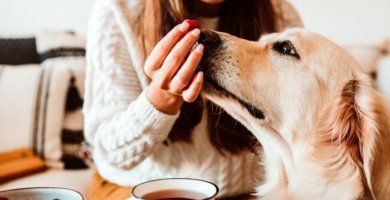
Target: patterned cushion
[(32, 109), (17, 51), (67, 51)]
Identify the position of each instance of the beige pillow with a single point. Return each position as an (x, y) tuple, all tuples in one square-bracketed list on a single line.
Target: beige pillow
[(19, 89)]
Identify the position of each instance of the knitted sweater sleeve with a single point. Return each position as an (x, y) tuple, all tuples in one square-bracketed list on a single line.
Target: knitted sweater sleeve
[(120, 123)]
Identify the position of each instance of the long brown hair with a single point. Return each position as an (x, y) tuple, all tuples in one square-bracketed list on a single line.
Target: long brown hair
[(247, 19)]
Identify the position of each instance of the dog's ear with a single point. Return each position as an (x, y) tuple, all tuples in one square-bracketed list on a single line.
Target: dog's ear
[(356, 127)]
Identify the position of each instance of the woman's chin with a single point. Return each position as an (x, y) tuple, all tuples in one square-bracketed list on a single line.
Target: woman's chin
[(212, 1)]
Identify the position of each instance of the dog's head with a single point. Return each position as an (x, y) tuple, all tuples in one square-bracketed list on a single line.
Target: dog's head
[(294, 88)]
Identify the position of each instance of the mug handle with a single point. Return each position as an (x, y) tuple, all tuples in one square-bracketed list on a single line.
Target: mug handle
[(133, 198)]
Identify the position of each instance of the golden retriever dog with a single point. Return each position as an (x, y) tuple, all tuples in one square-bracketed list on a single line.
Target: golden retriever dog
[(324, 129)]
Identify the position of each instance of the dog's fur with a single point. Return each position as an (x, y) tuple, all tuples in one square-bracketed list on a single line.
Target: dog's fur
[(324, 129)]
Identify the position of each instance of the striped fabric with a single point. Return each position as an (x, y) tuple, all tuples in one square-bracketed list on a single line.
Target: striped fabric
[(62, 52), (67, 51), (46, 141)]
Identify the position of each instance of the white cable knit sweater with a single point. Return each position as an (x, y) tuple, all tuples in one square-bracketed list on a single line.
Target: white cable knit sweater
[(124, 128)]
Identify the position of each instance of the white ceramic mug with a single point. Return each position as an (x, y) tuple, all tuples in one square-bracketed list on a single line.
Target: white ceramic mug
[(41, 193), (202, 189)]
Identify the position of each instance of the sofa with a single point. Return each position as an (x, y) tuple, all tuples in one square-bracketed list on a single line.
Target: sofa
[(41, 87)]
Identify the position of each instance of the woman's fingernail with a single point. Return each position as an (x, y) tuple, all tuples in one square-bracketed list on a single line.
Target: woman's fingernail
[(195, 32), (184, 26), (199, 76), (199, 48), (193, 23)]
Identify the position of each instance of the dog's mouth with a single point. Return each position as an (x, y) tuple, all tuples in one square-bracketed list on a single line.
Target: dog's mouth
[(212, 87)]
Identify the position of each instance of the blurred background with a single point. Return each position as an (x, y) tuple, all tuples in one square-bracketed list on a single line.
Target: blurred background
[(346, 21), (42, 73)]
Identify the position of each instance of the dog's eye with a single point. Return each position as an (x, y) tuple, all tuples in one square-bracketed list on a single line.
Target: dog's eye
[(286, 48)]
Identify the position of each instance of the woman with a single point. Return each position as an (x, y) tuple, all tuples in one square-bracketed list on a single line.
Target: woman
[(143, 117)]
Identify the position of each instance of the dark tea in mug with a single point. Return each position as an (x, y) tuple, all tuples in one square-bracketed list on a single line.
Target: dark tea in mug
[(174, 195), (175, 189)]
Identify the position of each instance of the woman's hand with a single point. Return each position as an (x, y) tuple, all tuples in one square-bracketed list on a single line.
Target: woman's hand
[(172, 67)]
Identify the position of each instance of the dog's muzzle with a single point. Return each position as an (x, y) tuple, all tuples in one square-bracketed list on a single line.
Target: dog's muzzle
[(212, 43), (209, 63), (215, 55)]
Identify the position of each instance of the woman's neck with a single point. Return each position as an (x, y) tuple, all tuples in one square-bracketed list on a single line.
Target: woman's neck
[(206, 10)]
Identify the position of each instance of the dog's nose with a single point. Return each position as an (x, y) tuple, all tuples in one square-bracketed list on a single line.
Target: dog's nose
[(209, 38), (212, 42)]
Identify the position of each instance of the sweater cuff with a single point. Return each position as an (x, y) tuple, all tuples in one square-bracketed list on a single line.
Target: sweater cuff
[(159, 124)]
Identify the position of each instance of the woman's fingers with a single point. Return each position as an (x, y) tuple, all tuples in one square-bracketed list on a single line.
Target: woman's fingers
[(186, 72), (192, 92), (176, 58), (163, 47)]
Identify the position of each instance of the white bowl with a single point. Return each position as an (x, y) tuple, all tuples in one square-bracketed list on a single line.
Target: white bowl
[(41, 193)]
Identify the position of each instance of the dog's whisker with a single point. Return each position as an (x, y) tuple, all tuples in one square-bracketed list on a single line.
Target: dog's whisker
[(218, 118), (219, 115)]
